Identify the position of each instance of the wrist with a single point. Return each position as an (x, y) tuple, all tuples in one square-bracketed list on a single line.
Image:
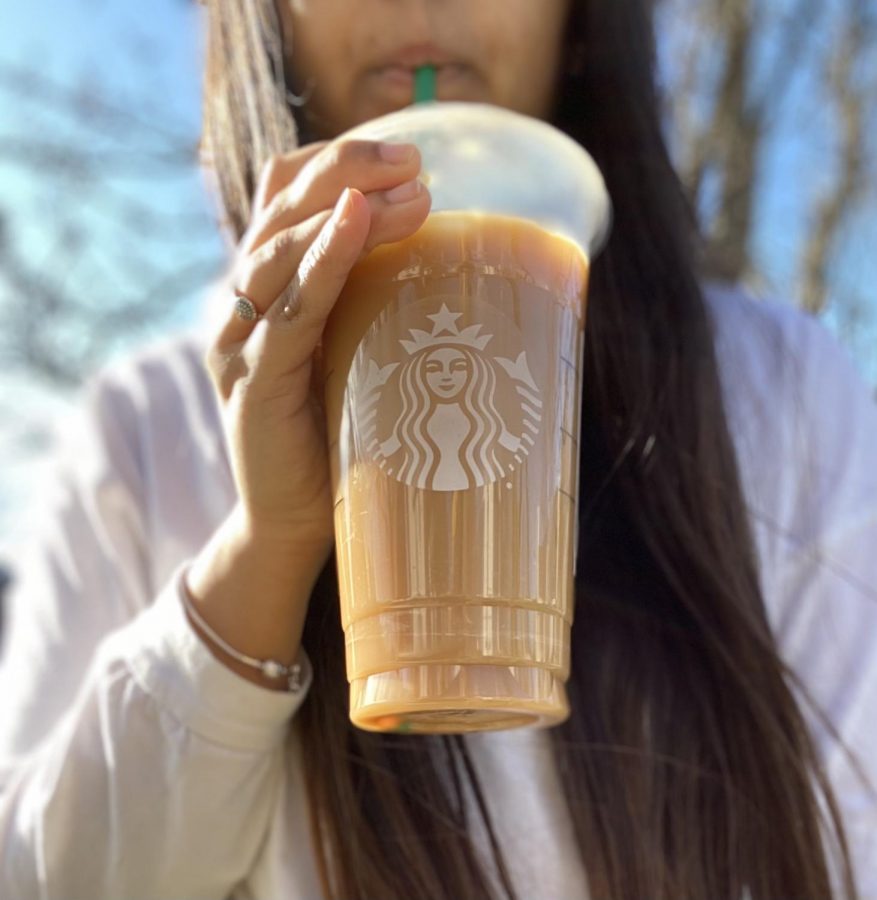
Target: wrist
[(278, 544), (266, 673), (252, 590)]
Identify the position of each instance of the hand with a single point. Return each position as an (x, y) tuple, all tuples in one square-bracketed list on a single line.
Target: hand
[(292, 263), (253, 580)]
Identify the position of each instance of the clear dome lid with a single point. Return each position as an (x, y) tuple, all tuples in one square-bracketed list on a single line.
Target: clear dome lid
[(483, 158)]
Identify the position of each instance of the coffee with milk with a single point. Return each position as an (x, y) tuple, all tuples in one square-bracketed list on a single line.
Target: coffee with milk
[(452, 366)]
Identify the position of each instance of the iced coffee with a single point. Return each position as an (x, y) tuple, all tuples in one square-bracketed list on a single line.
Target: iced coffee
[(452, 365)]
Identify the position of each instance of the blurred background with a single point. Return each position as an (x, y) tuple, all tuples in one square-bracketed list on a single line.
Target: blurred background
[(108, 238)]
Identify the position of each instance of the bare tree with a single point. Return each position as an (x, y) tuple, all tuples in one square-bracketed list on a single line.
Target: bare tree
[(729, 67), (110, 234), (854, 99)]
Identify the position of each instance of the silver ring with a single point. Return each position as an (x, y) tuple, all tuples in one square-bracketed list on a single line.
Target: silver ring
[(245, 308)]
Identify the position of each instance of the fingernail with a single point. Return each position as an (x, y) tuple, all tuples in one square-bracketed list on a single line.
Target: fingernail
[(342, 209), (405, 192), (396, 153)]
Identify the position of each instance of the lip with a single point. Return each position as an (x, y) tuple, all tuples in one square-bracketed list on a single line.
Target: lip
[(399, 80), (395, 71), (415, 55)]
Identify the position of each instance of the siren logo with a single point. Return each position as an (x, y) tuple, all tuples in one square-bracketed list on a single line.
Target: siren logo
[(441, 411)]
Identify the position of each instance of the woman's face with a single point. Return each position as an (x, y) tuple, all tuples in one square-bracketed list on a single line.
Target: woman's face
[(447, 371), (359, 55)]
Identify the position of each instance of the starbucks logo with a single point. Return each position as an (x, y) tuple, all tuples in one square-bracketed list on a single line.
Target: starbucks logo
[(452, 408)]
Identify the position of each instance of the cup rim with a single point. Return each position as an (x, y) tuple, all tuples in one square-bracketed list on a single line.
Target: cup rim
[(451, 114)]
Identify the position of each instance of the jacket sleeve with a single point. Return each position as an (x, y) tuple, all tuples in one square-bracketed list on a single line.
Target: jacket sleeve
[(132, 763)]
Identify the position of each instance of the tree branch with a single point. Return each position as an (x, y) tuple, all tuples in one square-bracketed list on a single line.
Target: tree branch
[(838, 201)]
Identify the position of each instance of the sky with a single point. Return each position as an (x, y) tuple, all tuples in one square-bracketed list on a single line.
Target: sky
[(152, 52), (81, 38)]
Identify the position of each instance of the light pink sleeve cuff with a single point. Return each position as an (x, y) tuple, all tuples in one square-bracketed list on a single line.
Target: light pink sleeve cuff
[(171, 663)]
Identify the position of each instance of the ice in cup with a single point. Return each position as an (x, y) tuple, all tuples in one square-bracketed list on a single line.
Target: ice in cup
[(452, 364)]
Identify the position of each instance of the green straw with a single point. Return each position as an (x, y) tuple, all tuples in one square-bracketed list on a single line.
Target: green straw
[(424, 84)]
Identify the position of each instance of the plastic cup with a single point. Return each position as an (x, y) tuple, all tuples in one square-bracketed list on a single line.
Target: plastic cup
[(452, 365)]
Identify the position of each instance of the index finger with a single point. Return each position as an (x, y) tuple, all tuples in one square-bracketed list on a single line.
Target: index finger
[(280, 170)]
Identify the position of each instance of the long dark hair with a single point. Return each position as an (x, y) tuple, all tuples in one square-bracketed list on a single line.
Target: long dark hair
[(687, 764)]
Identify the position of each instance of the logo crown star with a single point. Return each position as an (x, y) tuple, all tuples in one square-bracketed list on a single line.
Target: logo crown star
[(446, 321)]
